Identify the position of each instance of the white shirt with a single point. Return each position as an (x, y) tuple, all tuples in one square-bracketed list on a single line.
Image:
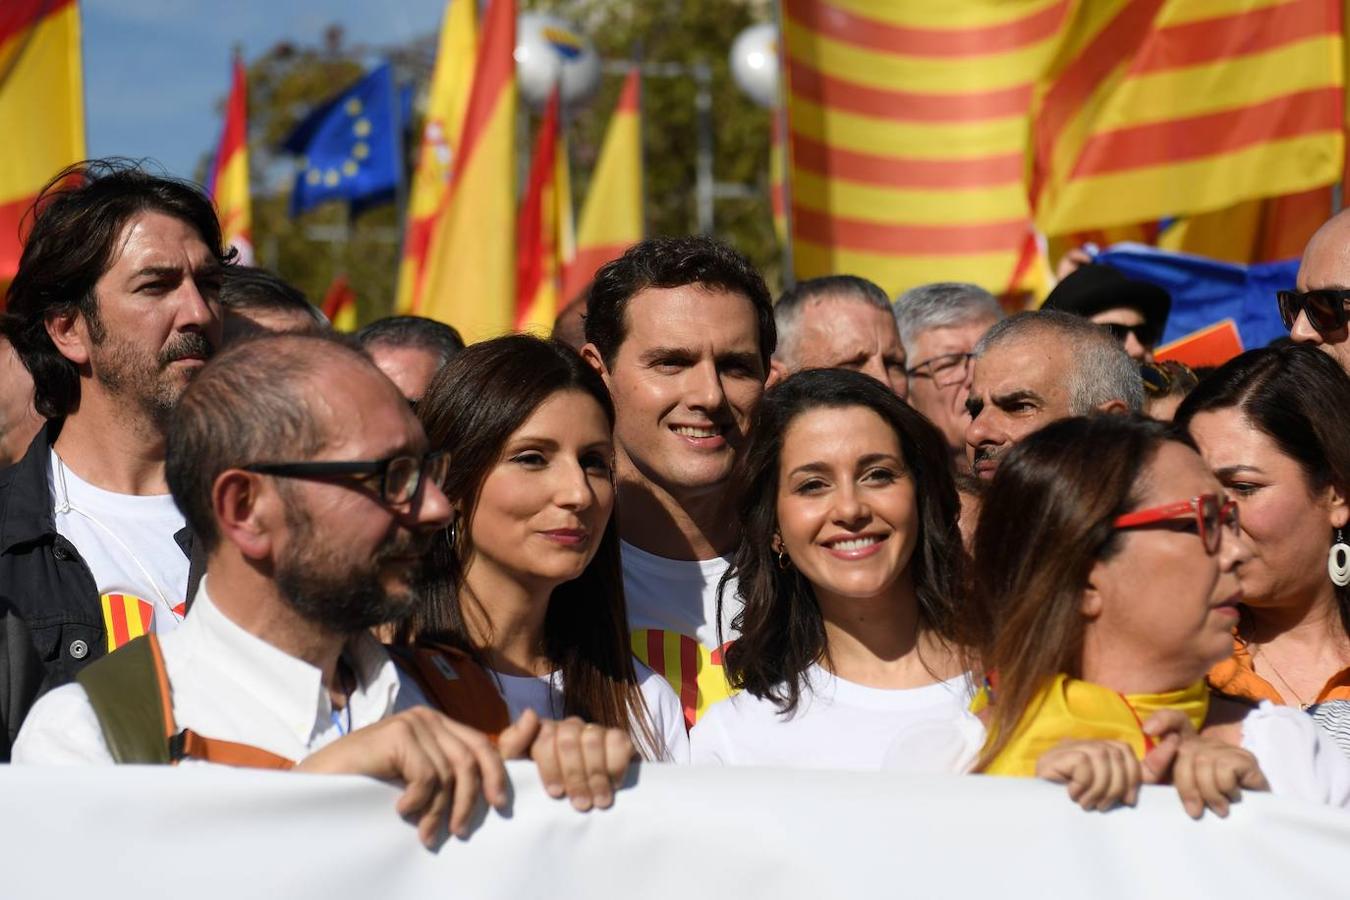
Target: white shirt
[(840, 724), (544, 695), (229, 685), (672, 614), (128, 543)]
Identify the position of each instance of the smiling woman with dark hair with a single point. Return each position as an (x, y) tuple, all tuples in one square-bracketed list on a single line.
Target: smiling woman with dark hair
[(851, 566)]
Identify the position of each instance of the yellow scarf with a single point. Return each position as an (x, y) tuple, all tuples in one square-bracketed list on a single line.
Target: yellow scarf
[(1069, 709)]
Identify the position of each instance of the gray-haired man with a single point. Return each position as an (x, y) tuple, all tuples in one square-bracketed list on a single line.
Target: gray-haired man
[(939, 326), (1038, 367), (838, 322)]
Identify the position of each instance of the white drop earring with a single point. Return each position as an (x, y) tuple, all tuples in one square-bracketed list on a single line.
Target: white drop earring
[(1338, 561)]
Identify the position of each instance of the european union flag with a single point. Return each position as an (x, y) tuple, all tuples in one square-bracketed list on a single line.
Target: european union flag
[(350, 147)]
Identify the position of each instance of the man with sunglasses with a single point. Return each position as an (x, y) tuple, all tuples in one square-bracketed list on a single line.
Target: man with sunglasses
[(307, 480), (1135, 312), (1318, 311)]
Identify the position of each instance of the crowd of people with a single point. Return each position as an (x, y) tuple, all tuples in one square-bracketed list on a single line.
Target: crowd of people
[(695, 526)]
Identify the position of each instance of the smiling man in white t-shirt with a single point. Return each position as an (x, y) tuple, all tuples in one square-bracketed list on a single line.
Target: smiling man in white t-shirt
[(114, 308), (681, 330)]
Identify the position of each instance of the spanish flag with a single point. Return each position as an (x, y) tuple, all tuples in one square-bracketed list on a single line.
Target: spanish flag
[(908, 127), (611, 219), (1165, 108), (339, 305), (228, 183), (41, 109), (470, 268), (450, 83), (538, 242)]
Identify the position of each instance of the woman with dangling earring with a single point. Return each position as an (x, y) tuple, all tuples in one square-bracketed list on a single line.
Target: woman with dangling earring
[(851, 568), (1272, 426)]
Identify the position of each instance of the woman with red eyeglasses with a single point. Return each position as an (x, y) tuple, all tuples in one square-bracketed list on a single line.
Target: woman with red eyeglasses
[(1106, 583), (1271, 425)]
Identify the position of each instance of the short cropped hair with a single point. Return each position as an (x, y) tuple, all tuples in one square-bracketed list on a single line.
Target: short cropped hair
[(249, 404), (77, 221), (787, 312), (252, 288), (669, 263), (943, 304), (416, 332), (1100, 369)]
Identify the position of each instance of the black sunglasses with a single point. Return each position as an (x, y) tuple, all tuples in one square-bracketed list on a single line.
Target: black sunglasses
[(1144, 333), (1325, 308), (400, 477)]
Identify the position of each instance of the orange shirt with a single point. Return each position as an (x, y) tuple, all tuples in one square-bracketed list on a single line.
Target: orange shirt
[(1236, 676)]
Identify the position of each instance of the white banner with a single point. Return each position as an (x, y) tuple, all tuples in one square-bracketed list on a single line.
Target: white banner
[(204, 833)]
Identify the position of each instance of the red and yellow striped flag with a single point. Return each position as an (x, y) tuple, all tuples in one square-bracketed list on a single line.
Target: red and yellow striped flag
[(228, 183), (1164, 108), (450, 83), (41, 109), (908, 126), (339, 305), (537, 242), (470, 268), (611, 218)]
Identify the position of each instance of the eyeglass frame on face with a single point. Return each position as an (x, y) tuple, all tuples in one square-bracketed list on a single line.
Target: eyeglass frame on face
[(959, 359), (1338, 311), (1225, 513), (360, 470)]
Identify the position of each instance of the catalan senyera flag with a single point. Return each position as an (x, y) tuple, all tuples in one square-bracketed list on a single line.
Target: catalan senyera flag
[(537, 242), (908, 128), (611, 217), (449, 98), (1156, 109), (228, 182), (41, 109), (470, 267)]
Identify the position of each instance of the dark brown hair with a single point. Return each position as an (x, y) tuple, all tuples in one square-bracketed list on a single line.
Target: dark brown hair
[(471, 409), (1297, 396), (1046, 520), (782, 632), (77, 221), (668, 263)]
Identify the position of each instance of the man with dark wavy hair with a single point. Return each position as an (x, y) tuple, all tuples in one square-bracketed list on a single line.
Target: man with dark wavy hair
[(682, 331), (113, 310)]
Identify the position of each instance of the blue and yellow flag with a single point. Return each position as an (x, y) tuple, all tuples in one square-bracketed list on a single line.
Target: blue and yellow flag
[(351, 146)]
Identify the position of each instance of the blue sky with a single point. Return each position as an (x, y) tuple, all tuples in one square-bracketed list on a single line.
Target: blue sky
[(155, 69)]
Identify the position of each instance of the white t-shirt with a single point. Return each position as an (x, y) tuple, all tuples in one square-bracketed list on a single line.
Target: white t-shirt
[(839, 724), (672, 614), (128, 543), (544, 695)]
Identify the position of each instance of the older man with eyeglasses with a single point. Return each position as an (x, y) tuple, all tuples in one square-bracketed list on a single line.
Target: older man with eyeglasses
[(1318, 311), (940, 324)]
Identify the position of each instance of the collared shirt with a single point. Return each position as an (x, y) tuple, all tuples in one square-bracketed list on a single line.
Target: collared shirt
[(1236, 676), (229, 685)]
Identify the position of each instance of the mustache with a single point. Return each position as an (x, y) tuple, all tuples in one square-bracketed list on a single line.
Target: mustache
[(414, 545), (985, 453), (187, 345)]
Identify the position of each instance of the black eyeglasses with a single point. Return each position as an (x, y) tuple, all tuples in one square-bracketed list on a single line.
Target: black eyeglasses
[(1326, 309), (1146, 334), (400, 477), (945, 370)]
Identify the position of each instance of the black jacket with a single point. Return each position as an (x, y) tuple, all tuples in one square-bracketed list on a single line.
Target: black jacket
[(20, 677), (42, 575)]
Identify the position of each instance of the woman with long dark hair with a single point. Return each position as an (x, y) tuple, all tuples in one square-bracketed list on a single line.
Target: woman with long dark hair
[(850, 566), (527, 580), (1106, 584), (1272, 426)]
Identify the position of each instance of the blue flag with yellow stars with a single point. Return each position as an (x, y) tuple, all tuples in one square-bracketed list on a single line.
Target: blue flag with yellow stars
[(351, 146)]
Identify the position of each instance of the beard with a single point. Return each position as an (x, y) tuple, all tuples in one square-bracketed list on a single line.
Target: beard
[(323, 585), (125, 370)]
